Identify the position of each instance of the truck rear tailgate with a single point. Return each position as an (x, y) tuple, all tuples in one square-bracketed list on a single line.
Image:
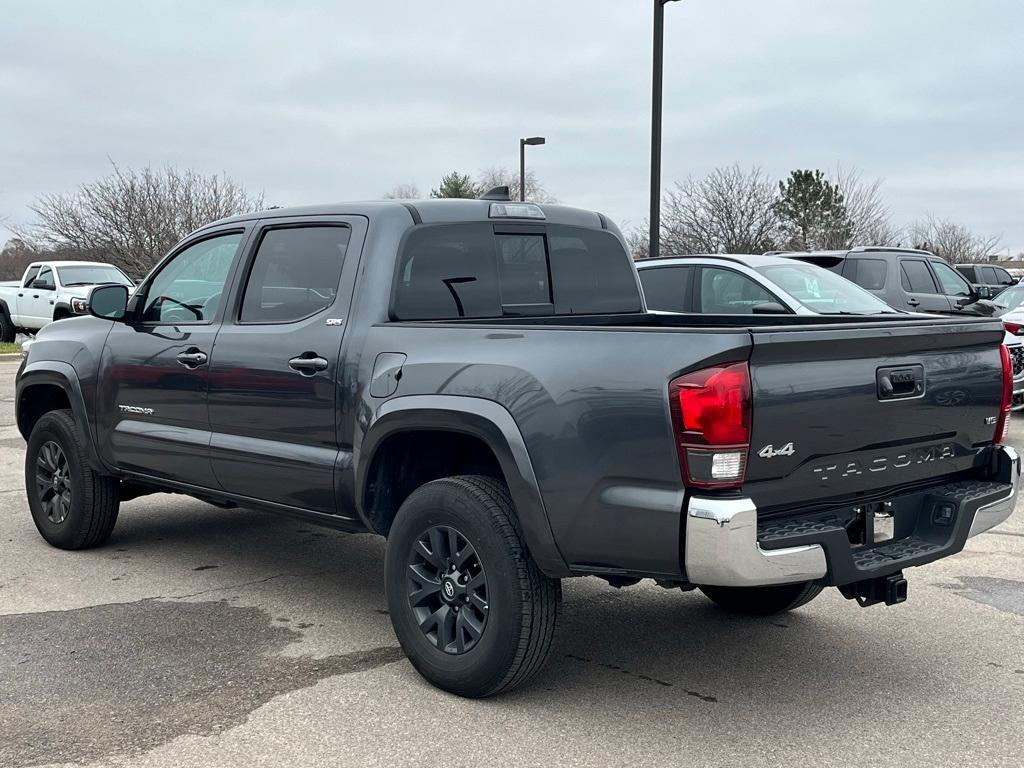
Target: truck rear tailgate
[(845, 412)]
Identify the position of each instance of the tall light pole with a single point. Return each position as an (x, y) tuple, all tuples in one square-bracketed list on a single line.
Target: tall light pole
[(532, 141), (659, 44)]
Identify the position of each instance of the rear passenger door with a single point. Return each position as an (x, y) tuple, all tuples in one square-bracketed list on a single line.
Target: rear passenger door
[(920, 292), (274, 402)]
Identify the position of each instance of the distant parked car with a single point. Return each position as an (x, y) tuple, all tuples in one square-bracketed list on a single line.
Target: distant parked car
[(741, 284), (744, 284), (916, 281), (996, 278), (51, 290)]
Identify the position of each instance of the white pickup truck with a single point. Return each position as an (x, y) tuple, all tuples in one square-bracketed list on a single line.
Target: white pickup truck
[(51, 290)]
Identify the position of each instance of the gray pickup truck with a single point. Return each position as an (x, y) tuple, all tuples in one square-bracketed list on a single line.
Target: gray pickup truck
[(480, 382)]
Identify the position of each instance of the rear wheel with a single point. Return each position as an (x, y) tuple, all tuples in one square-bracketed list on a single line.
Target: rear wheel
[(72, 506), (472, 611), (763, 601), (7, 329)]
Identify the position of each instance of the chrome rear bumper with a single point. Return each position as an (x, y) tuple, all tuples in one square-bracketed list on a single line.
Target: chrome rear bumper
[(722, 547)]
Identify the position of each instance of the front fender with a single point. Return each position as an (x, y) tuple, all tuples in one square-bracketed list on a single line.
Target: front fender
[(491, 423), (63, 375)]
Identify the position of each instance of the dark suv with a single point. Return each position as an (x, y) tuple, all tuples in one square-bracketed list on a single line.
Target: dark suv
[(994, 278), (916, 281)]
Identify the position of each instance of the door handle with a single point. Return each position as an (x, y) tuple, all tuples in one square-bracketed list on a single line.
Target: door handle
[(913, 302), (193, 358), (35, 295), (307, 366), (21, 295)]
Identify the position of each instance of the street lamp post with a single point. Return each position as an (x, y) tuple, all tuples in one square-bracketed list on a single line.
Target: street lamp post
[(532, 141), (659, 40)]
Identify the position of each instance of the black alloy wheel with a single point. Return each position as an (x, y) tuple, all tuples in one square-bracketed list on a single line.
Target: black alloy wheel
[(447, 589), (53, 482)]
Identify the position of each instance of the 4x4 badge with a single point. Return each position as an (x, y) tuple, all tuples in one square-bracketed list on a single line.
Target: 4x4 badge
[(770, 451)]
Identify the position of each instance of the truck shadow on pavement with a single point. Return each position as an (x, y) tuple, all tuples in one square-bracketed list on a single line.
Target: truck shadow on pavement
[(195, 642)]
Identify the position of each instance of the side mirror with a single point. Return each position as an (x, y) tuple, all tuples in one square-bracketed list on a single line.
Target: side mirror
[(983, 291), (108, 302), (42, 285), (769, 308)]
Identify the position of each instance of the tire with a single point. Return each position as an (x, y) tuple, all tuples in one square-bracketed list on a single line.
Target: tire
[(7, 330), (763, 601), (61, 314), (85, 514), (497, 647)]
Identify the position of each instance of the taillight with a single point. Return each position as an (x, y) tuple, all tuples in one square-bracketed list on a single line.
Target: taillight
[(1003, 423), (711, 419), (1015, 328)]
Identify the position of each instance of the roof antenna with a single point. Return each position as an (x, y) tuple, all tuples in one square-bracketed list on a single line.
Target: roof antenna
[(497, 193)]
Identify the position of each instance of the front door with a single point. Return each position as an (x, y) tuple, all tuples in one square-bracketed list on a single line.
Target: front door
[(153, 416), (39, 299), (920, 292), (273, 391)]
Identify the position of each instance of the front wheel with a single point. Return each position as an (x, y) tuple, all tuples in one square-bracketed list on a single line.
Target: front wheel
[(763, 601), (73, 506), (471, 610)]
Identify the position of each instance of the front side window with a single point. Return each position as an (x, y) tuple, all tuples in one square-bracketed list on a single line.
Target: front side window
[(823, 291), (724, 292), (952, 283), (1003, 277), (915, 277), (188, 289), (30, 276), (666, 288), (295, 274), (45, 280)]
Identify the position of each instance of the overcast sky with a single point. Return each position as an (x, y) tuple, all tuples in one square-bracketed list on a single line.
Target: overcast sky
[(344, 100)]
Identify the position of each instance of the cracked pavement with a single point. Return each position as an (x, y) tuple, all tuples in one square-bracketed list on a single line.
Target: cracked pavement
[(206, 637)]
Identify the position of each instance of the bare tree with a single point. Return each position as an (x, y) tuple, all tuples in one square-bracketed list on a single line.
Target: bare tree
[(867, 214), (953, 242), (404, 192), (500, 177), (730, 210), (131, 218), (638, 240)]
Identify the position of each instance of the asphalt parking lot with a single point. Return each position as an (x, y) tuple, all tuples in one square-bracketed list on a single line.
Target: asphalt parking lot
[(207, 637)]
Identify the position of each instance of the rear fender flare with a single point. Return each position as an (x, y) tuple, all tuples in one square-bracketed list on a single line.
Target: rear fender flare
[(491, 423)]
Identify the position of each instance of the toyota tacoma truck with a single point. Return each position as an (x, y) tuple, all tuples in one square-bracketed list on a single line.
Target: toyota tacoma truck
[(480, 382), (51, 290)]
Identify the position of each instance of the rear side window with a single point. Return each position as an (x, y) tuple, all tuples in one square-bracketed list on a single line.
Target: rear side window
[(968, 272), (451, 271), (666, 288), (295, 274), (990, 277), (915, 276), (868, 273)]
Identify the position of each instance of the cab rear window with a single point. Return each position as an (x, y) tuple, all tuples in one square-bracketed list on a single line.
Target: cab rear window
[(480, 270)]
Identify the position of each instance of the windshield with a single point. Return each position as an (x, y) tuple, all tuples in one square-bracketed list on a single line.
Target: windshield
[(1011, 298), (822, 291), (88, 274)]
